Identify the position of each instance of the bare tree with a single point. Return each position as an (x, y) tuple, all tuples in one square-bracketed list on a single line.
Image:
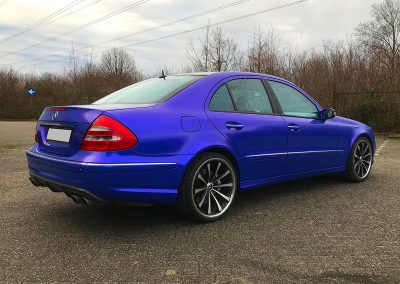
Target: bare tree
[(381, 34), (73, 66), (198, 56), (265, 53), (216, 53), (118, 62), (119, 69)]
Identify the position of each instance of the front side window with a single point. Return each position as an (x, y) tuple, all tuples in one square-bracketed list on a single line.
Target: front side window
[(149, 91), (293, 103), (250, 96), (221, 101)]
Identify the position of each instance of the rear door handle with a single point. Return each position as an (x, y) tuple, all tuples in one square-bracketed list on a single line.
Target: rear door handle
[(233, 125), (293, 127)]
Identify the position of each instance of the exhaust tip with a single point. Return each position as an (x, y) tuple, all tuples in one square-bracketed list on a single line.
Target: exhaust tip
[(78, 199), (34, 182)]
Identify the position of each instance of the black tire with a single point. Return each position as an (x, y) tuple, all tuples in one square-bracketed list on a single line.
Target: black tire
[(198, 194), (360, 161)]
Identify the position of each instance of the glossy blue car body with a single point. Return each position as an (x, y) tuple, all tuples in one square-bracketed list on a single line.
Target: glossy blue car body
[(172, 133)]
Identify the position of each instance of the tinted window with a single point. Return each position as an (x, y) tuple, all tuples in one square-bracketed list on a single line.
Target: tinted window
[(221, 101), (293, 103), (249, 95), (149, 91)]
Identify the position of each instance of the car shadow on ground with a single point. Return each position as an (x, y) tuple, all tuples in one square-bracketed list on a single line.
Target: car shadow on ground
[(119, 215)]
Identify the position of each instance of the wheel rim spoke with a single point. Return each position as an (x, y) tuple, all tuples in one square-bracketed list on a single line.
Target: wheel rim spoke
[(216, 171), (224, 185), (203, 199), (359, 169), (358, 149), (365, 150), (364, 166), (224, 175), (216, 201), (209, 172), (200, 177), (197, 190), (209, 204), (222, 195)]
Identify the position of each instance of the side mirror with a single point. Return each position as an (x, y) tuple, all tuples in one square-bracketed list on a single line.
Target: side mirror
[(328, 113)]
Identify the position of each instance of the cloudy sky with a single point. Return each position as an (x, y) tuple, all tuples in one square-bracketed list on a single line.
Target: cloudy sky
[(46, 47)]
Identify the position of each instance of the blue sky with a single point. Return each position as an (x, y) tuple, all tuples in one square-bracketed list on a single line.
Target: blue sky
[(302, 26)]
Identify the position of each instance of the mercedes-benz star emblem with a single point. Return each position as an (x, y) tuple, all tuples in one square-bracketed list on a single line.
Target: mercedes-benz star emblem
[(54, 116)]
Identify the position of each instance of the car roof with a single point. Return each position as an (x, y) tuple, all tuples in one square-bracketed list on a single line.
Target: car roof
[(227, 74), (215, 77)]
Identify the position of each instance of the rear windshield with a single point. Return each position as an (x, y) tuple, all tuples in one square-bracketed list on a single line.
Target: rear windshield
[(149, 91)]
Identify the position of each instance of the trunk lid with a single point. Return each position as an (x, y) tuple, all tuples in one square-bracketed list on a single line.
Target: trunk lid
[(61, 129)]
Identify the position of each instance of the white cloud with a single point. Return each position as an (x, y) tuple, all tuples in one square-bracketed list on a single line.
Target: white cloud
[(305, 25)]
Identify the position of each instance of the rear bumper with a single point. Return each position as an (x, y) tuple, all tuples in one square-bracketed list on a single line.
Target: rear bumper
[(67, 189), (138, 180)]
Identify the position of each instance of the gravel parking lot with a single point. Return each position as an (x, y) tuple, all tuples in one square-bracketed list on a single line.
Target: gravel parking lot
[(320, 230)]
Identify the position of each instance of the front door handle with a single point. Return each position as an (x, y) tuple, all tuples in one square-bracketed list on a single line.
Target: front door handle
[(293, 127), (233, 125)]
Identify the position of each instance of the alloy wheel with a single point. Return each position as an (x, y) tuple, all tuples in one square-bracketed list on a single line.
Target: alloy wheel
[(362, 159), (213, 187)]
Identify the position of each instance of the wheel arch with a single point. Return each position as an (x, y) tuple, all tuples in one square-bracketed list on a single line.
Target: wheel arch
[(226, 153), (354, 140), (367, 136)]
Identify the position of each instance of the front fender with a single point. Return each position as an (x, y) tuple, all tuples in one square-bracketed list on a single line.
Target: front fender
[(349, 132)]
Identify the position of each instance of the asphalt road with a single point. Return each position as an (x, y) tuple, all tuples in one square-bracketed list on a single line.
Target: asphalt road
[(320, 230)]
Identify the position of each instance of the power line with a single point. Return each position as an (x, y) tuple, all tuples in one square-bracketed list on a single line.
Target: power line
[(186, 31), (216, 23), (112, 14), (102, 18), (145, 30), (75, 11), (53, 20), (40, 22), (170, 23), (154, 28)]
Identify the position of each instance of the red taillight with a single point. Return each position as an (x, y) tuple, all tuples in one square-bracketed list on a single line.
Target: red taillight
[(107, 134), (57, 108)]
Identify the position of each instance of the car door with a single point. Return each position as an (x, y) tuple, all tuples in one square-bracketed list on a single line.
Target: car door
[(312, 141), (242, 111)]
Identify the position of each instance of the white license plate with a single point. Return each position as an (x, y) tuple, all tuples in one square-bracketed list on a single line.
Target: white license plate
[(62, 135)]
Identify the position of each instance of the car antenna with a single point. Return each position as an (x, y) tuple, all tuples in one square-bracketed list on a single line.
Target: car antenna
[(163, 76)]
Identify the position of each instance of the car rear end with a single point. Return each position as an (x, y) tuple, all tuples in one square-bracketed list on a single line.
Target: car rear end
[(87, 153), (111, 151)]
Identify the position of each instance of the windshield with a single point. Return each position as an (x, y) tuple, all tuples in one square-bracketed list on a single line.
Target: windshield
[(149, 91)]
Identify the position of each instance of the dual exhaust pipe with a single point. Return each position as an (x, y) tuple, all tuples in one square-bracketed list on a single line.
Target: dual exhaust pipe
[(78, 199)]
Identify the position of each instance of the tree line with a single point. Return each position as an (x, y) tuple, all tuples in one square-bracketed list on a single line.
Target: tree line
[(360, 77)]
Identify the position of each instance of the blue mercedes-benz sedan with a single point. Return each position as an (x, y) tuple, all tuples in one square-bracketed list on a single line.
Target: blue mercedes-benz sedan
[(195, 140)]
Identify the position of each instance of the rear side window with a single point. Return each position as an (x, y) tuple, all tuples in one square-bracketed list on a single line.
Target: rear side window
[(293, 103), (149, 91), (221, 101), (250, 96)]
